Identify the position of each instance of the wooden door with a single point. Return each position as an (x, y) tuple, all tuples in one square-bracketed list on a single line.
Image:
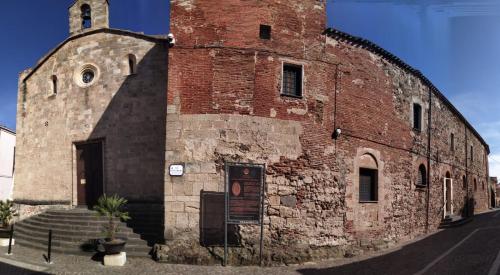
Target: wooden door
[(89, 173)]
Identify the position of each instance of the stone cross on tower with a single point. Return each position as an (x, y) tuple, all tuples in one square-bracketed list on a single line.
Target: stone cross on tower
[(87, 15)]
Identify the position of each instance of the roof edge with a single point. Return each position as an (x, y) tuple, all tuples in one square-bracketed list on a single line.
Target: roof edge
[(83, 34), (7, 130), (376, 49)]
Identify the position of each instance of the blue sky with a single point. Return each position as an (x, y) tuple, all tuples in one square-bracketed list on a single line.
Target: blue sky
[(455, 43)]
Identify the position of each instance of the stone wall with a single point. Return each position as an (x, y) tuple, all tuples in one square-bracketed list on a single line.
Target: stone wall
[(224, 104), (126, 111), (99, 15)]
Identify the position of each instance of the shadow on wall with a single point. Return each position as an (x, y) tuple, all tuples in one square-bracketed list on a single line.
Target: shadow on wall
[(133, 130), (212, 221)]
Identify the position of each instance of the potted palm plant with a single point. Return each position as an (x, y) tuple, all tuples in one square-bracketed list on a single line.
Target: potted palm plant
[(111, 207), (7, 213)]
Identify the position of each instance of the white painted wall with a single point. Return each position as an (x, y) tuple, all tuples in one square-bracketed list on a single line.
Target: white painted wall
[(7, 145)]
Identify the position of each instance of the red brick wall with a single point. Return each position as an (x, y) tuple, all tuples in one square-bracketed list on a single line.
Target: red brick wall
[(220, 66)]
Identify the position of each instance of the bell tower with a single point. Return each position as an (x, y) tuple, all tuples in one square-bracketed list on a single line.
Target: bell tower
[(87, 15)]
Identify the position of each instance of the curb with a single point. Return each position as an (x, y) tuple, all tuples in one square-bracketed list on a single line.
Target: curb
[(31, 267)]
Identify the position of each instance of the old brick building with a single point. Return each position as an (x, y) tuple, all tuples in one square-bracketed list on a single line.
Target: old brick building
[(265, 82), (361, 149)]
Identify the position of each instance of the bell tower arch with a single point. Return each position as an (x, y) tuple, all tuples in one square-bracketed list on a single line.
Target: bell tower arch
[(87, 15)]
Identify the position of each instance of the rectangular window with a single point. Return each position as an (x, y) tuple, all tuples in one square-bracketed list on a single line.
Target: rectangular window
[(471, 153), (292, 80), (417, 117), (265, 32), (368, 185)]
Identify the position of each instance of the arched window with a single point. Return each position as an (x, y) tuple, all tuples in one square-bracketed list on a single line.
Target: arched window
[(86, 16), (132, 64), (482, 183), (422, 176), (368, 178), (464, 182), (54, 84)]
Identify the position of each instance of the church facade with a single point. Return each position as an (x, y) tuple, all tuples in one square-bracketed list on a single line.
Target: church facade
[(89, 112), (361, 150)]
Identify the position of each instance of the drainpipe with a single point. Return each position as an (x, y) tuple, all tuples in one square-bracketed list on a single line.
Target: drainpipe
[(429, 128)]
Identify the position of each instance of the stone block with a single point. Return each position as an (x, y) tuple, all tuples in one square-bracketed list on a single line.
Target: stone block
[(115, 260), (181, 220), (289, 201), (274, 200), (176, 206), (5, 242)]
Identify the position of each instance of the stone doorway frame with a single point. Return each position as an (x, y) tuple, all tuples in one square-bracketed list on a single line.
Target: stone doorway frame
[(74, 185), (447, 196)]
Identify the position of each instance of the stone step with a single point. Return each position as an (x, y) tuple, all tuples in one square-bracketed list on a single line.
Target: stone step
[(76, 237), (76, 231), (146, 232), (92, 220), (131, 251), (69, 227), (61, 243)]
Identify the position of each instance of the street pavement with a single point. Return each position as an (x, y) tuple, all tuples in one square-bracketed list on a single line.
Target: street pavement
[(473, 248), (6, 269)]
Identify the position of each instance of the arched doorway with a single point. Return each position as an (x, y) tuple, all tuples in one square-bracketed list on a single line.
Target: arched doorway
[(448, 195)]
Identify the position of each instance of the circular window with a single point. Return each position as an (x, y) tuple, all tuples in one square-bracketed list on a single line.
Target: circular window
[(86, 75)]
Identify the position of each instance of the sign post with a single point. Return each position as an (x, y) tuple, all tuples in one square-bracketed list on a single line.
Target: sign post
[(244, 198)]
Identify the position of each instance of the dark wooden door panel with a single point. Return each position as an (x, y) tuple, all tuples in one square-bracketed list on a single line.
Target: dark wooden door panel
[(89, 173)]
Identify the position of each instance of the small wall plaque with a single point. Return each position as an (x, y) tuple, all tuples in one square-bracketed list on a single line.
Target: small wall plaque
[(176, 170)]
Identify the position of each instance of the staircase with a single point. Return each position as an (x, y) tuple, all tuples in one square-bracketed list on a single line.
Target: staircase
[(77, 231)]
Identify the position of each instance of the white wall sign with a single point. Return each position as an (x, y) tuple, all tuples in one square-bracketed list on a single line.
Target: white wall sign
[(176, 170)]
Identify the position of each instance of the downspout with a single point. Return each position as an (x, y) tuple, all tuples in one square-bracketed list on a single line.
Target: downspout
[(429, 128)]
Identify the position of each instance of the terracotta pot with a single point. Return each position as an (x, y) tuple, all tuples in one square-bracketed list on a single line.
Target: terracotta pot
[(114, 247)]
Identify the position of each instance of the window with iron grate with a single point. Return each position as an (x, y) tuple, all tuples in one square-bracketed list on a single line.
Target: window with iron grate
[(422, 176), (368, 185), (292, 80)]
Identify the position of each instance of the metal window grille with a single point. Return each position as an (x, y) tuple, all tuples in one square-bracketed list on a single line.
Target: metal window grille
[(292, 80), (421, 179), (368, 189)]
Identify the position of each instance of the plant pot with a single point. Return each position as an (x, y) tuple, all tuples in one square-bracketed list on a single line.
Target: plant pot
[(4, 232), (114, 247)]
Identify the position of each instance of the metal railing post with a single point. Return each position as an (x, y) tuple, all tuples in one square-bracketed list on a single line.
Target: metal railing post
[(10, 239), (49, 252)]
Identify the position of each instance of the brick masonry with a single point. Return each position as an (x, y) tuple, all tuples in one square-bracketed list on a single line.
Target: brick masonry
[(224, 103)]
